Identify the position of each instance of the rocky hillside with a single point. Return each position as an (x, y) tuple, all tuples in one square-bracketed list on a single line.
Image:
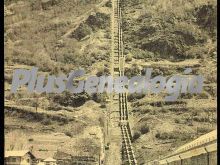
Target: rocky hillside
[(56, 36), (170, 36)]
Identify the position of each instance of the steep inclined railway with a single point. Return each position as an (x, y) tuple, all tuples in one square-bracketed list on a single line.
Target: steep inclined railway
[(185, 155), (128, 157)]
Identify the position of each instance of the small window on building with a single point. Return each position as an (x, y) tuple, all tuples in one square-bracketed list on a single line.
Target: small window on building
[(28, 160), (13, 159)]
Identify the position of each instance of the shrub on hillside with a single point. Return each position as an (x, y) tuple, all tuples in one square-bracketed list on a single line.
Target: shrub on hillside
[(68, 133), (206, 16), (108, 4), (69, 99), (101, 71), (82, 31), (142, 54), (128, 57), (135, 96), (99, 98), (173, 135), (177, 121), (144, 129), (136, 135), (201, 118), (203, 130), (46, 121), (166, 135), (99, 20)]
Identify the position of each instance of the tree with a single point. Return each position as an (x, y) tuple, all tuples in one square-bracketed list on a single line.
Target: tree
[(16, 141)]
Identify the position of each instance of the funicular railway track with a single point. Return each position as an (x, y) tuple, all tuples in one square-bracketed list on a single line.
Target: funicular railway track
[(128, 157), (187, 155)]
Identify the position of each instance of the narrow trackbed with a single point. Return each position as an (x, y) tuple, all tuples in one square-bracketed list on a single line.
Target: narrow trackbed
[(128, 156)]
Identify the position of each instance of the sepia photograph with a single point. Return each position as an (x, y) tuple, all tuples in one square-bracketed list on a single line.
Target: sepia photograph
[(110, 82)]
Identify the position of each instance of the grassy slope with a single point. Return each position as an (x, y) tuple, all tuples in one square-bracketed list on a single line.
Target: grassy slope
[(169, 36), (34, 37)]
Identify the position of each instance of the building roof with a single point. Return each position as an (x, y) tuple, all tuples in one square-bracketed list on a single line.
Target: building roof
[(49, 160), (17, 153), (62, 155), (43, 154)]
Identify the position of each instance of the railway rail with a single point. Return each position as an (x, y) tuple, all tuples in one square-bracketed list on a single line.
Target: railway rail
[(201, 151), (128, 157)]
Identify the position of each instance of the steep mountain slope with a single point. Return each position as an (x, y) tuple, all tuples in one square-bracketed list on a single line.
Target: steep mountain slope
[(35, 35), (170, 36)]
